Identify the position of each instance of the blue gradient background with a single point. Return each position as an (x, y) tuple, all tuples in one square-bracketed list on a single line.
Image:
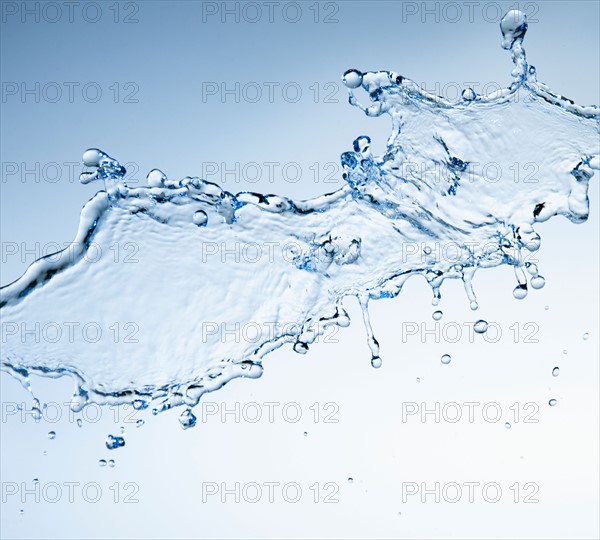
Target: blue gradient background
[(169, 53)]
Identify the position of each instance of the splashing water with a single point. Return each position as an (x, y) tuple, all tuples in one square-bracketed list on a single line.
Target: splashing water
[(441, 203)]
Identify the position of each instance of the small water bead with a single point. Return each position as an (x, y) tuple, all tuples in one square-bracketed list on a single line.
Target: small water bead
[(481, 326), (52, 435), (586, 336), (555, 371), (139, 423), (122, 429), (350, 480), (552, 402), (437, 315), (520, 292), (468, 94), (113, 442), (79, 422), (546, 308), (21, 512), (187, 419), (376, 362), (537, 282), (446, 359), (156, 178), (102, 462), (507, 425), (111, 462), (418, 379), (474, 305), (352, 78), (300, 347), (305, 433), (565, 351), (200, 218), (427, 250)]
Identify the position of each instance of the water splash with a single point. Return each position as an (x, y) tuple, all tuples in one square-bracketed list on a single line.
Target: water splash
[(443, 201)]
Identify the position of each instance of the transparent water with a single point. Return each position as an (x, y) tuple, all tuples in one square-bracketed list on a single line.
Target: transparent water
[(206, 282)]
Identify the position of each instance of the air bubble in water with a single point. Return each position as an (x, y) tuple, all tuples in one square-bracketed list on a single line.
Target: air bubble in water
[(555, 371), (437, 315), (446, 359), (113, 442), (552, 402), (481, 326)]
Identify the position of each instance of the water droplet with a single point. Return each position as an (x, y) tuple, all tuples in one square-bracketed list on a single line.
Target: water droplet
[(418, 379), (52, 434), (306, 433), (36, 480), (481, 326), (139, 423), (187, 419), (156, 178), (352, 78), (21, 512), (427, 250), (565, 351), (520, 292), (113, 442), (586, 336), (555, 371), (111, 462), (200, 218), (513, 26), (507, 425), (79, 422), (300, 347), (437, 315), (468, 94), (122, 429), (140, 404), (350, 480), (538, 282), (45, 452), (376, 362), (473, 305), (546, 308), (446, 359), (552, 402), (102, 462)]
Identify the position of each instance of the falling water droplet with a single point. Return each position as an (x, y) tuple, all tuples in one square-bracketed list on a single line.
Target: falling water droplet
[(538, 282), (437, 315), (200, 218), (300, 347), (187, 419), (306, 434), (21, 512), (352, 78), (139, 423), (350, 480), (418, 379), (586, 336), (79, 422), (113, 442), (555, 371), (507, 425), (111, 462), (552, 402), (520, 292), (102, 462), (376, 362), (52, 434), (546, 308), (446, 359), (122, 429), (36, 480), (481, 326)]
